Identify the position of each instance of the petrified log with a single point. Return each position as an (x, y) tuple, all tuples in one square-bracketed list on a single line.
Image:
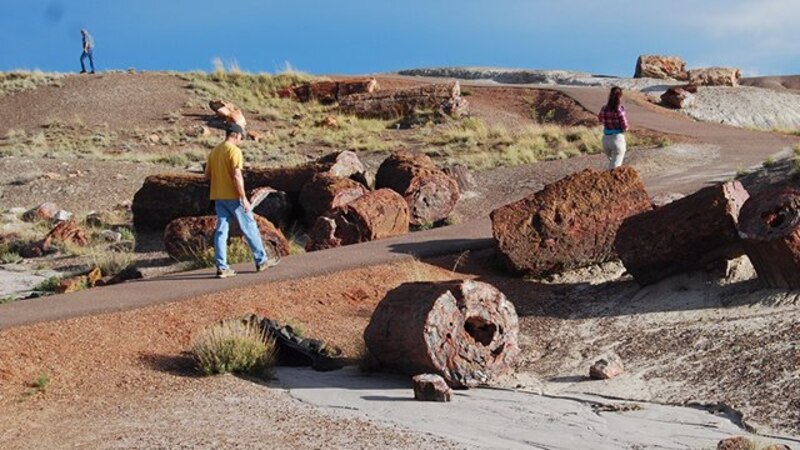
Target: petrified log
[(376, 215), (465, 331), (430, 193), (325, 192), (65, 231), (677, 98), (272, 205), (769, 224), (186, 237), (400, 103), (715, 76), (327, 92), (661, 67), (462, 175), (570, 223), (163, 198), (429, 387), (686, 235), (228, 112)]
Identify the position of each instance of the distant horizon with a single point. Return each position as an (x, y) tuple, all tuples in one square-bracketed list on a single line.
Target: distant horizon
[(601, 37)]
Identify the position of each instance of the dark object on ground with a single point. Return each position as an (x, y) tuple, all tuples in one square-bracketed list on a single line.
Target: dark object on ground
[(272, 205), (294, 350), (376, 215), (187, 237), (769, 224), (677, 98), (327, 92), (430, 193), (569, 224), (326, 192), (465, 331), (606, 368), (661, 67), (430, 387), (389, 105), (683, 236), (126, 274)]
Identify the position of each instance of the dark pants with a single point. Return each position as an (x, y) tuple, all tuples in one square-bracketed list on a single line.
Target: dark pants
[(91, 60)]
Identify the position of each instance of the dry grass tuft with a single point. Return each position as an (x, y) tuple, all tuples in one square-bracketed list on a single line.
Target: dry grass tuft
[(234, 346), (23, 80)]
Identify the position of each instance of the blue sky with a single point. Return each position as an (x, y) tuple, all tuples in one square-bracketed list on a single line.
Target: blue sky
[(363, 36)]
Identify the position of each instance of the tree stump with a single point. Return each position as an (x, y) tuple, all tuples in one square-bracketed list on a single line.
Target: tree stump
[(569, 224), (187, 237), (430, 193), (465, 331), (769, 224), (375, 215), (685, 235), (325, 192), (396, 104)]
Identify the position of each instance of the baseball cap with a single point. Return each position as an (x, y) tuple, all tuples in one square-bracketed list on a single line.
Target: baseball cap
[(236, 128)]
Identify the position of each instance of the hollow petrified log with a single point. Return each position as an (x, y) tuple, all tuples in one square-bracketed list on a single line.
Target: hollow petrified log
[(163, 198), (430, 193), (376, 215), (325, 192), (187, 237), (769, 224), (272, 205), (400, 103), (570, 223), (465, 331), (685, 235)]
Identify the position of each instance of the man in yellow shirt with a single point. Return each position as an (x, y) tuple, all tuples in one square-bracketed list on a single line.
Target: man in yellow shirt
[(224, 170)]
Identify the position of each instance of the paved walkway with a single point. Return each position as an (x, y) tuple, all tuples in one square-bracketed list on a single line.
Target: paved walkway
[(740, 148)]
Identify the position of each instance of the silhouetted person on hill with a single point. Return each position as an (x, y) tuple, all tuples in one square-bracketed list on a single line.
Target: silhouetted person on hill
[(615, 124), (88, 50)]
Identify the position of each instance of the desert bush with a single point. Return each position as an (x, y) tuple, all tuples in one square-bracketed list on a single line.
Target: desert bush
[(238, 252), (111, 262), (234, 346), (23, 80), (48, 285)]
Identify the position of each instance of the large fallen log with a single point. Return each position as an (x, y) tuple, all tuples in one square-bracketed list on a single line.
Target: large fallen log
[(769, 224), (163, 198), (661, 67), (682, 236), (715, 76), (569, 224), (188, 237), (430, 193), (327, 92), (273, 205), (325, 192), (465, 331), (376, 215), (396, 104)]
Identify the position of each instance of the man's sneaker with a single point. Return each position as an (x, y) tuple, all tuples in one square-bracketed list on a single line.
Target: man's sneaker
[(92, 72), (83, 71), (225, 273), (271, 262)]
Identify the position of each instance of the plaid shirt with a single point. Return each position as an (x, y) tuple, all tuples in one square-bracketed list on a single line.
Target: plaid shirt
[(614, 120)]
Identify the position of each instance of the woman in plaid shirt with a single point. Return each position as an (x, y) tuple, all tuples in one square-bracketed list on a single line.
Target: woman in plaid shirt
[(615, 124)]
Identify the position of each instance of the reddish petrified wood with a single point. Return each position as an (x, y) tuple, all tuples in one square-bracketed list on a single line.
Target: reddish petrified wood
[(570, 223), (325, 192), (429, 387), (228, 112), (327, 92), (445, 97), (430, 193), (769, 224), (375, 215), (163, 198), (186, 237), (465, 331), (682, 236)]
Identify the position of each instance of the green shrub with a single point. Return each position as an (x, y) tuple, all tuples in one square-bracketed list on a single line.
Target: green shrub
[(234, 346), (48, 285)]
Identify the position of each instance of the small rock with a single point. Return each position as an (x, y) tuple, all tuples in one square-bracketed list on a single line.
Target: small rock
[(606, 368), (120, 176), (255, 135), (431, 388), (129, 273), (50, 176), (196, 167), (297, 116), (736, 443), (111, 235), (45, 211), (62, 216), (94, 276), (295, 131), (328, 122), (126, 205), (93, 219), (72, 284), (154, 138)]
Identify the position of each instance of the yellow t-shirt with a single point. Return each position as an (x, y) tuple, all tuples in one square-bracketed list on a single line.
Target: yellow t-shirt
[(221, 162)]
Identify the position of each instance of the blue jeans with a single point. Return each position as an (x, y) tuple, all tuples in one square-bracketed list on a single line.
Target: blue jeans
[(227, 209), (89, 54)]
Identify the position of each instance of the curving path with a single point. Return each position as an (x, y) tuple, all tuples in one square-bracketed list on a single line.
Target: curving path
[(738, 148)]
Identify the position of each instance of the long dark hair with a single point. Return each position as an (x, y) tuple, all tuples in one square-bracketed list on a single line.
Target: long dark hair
[(614, 98)]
